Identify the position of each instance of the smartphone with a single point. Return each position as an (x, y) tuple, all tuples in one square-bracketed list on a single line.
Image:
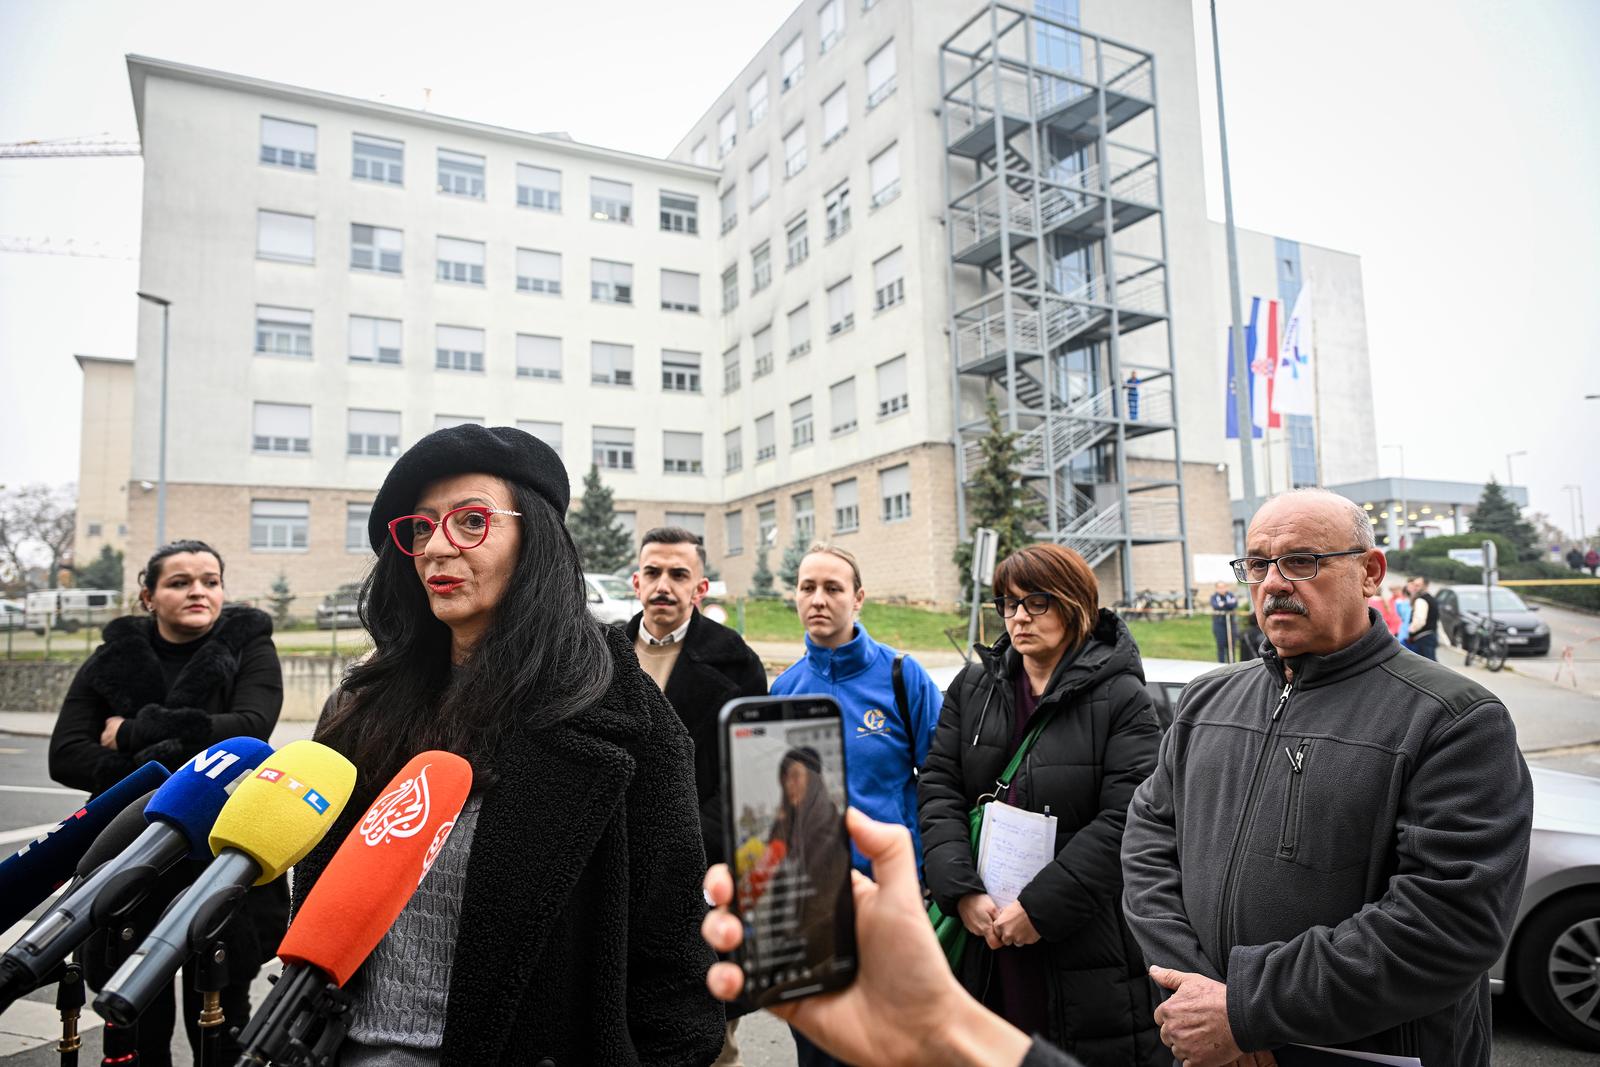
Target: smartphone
[(784, 797)]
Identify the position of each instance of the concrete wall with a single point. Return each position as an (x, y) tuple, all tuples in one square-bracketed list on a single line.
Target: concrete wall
[(27, 685)]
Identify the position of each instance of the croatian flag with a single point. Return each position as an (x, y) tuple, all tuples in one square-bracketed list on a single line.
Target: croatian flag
[(1293, 393), (1263, 366)]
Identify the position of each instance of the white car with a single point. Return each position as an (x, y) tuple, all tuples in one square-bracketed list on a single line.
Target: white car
[(12, 615), (611, 599)]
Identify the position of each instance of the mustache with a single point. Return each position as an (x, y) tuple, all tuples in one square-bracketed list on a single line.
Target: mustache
[(1282, 602), (663, 600)]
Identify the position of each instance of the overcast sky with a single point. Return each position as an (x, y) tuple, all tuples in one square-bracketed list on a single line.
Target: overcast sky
[(1453, 144)]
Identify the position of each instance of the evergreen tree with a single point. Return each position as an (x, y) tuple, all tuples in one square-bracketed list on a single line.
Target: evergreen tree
[(1496, 514), (104, 573), (789, 567), (761, 580), (280, 599), (603, 545), (996, 498)]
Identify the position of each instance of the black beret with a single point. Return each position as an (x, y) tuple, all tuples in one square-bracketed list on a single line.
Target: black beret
[(504, 451)]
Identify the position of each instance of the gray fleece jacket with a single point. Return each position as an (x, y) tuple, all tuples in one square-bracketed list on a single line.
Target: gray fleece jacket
[(1346, 851)]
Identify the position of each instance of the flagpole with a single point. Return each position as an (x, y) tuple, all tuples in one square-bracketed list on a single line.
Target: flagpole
[(1316, 387)]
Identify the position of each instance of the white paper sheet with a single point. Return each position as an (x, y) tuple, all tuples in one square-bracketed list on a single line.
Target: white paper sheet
[(1368, 1057), (1013, 846)]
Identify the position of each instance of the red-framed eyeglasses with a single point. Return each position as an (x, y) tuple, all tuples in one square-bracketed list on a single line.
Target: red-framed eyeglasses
[(466, 527)]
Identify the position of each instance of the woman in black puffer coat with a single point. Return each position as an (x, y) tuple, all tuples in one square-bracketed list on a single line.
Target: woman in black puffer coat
[(1060, 961)]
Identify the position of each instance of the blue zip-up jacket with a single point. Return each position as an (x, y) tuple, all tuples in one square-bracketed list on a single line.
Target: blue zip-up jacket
[(860, 676)]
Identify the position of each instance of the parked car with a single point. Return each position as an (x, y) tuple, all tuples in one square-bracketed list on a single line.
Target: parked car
[(1462, 608), (69, 609), (338, 608), (611, 599), (13, 615)]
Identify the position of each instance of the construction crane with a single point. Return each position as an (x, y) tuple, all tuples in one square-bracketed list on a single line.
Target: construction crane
[(68, 148)]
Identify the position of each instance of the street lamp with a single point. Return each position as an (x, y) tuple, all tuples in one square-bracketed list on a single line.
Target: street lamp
[(1509, 480), (1583, 526), (161, 451), (1405, 508)]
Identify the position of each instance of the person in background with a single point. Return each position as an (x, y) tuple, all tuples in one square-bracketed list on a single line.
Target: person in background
[(1400, 596), (1422, 635), (1059, 960), (1591, 559), (1384, 606), (1223, 620), (1132, 386), (192, 671), (1575, 558)]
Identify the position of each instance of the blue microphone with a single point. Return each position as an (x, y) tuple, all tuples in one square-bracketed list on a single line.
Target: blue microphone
[(43, 865), (179, 817)]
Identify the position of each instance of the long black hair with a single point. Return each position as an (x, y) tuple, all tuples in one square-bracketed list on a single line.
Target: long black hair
[(543, 657)]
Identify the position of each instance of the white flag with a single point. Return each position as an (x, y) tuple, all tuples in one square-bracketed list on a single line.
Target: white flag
[(1292, 390)]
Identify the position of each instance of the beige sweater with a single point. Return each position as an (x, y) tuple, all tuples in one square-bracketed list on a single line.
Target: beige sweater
[(657, 660)]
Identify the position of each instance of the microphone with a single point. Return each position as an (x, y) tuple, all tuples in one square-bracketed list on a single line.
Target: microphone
[(42, 865), (179, 816), (277, 815), (360, 894)]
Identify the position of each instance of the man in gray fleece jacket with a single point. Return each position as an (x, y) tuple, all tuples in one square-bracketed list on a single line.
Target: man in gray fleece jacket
[(1333, 846)]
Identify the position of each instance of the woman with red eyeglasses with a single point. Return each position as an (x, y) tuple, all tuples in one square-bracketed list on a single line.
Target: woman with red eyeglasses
[(1065, 680), (560, 922)]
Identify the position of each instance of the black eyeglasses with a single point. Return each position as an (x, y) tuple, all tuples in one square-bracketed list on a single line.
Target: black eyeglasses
[(1294, 566), (1033, 604)]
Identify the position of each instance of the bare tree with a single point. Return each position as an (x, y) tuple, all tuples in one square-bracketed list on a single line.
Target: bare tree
[(37, 523)]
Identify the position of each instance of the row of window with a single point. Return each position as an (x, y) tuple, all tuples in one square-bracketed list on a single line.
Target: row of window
[(888, 290), (379, 159), (894, 505), (791, 71), (883, 182), (894, 398)]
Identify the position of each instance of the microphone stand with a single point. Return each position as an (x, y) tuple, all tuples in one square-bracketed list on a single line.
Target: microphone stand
[(69, 1002), (302, 1023), (120, 1044), (210, 975)]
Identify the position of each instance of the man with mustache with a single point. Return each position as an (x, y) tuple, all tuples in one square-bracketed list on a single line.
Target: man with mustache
[(699, 664), (1333, 845)]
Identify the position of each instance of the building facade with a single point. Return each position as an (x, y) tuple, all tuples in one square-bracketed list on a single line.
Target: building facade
[(104, 465)]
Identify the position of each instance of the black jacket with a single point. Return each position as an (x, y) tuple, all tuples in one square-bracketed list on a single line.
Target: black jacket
[(1347, 852), (579, 939), (713, 667), (1098, 746)]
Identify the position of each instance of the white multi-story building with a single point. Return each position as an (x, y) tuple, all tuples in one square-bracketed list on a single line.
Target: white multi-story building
[(760, 336)]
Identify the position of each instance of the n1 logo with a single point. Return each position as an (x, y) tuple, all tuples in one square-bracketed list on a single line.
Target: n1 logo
[(212, 764)]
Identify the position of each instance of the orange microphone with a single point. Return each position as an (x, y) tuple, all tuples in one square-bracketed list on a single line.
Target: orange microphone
[(363, 890)]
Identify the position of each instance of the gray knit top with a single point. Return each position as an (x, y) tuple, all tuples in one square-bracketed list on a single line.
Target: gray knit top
[(401, 990)]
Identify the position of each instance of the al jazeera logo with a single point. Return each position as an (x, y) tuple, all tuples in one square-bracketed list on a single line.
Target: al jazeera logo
[(873, 722)]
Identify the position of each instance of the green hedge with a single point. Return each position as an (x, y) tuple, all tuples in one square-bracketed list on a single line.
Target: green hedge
[(1440, 547), (1436, 568)]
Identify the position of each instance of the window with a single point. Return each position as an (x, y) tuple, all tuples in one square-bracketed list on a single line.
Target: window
[(730, 370), (680, 371), (799, 244), (880, 76), (610, 201), (460, 174), (794, 151), (548, 432), (288, 144), (281, 428), (628, 521), (755, 98), (94, 529), (760, 183), (842, 407), (836, 210), (841, 307), (700, 155), (458, 348), (445, 422), (763, 352), (801, 431), (733, 450), (727, 133), (460, 261), (766, 439), (374, 340), (355, 527), (730, 207), (894, 492), (893, 397), (538, 272), (693, 521), (680, 213), (538, 357), (805, 518), (610, 364), (884, 174), (613, 448), (538, 188), (793, 62), (761, 267), (733, 532), (375, 248), (290, 238), (279, 525), (767, 522), (610, 282), (378, 159), (680, 291), (846, 506), (800, 331), (681, 453), (888, 280), (372, 433), (730, 288), (830, 25), (283, 331), (835, 116)]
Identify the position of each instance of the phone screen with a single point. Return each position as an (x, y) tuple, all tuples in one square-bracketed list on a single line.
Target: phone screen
[(785, 779)]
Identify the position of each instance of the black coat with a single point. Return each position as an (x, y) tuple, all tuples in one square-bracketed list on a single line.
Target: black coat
[(1099, 745), (579, 938), (713, 667)]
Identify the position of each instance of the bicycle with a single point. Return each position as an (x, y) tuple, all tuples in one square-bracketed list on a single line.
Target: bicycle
[(1484, 641)]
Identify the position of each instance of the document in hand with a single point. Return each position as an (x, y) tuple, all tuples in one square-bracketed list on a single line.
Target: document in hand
[(1315, 1056), (1013, 846)]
